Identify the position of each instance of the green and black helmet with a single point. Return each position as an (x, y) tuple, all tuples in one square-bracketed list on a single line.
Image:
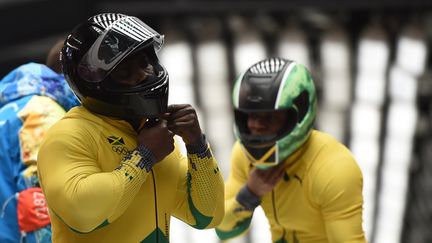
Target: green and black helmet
[(274, 84)]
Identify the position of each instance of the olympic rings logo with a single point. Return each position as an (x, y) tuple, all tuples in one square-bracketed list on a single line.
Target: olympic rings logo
[(120, 150)]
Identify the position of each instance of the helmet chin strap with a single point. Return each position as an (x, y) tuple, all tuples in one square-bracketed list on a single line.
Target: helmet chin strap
[(262, 160)]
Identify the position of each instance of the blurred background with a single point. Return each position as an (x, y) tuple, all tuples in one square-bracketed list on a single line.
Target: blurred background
[(370, 61)]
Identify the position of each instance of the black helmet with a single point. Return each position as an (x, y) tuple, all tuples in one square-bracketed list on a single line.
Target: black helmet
[(270, 85), (96, 47)]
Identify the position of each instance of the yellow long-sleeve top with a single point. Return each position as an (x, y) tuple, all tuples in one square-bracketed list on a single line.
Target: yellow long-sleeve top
[(318, 200), (98, 188)]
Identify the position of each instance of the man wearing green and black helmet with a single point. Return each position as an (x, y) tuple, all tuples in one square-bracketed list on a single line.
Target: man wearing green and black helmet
[(308, 184)]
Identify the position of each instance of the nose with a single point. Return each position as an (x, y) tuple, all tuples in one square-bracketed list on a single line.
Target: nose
[(129, 73), (257, 125), (134, 74)]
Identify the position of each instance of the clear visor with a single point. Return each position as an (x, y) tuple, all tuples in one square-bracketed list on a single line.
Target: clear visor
[(138, 71), (114, 44), (264, 140)]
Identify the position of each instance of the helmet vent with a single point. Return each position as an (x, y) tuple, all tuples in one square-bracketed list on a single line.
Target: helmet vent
[(272, 65), (302, 104), (107, 19)]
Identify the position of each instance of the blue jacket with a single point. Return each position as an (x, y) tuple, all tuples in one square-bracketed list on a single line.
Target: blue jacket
[(32, 98)]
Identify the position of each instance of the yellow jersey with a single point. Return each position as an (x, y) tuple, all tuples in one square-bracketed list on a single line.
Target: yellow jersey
[(319, 199), (98, 190)]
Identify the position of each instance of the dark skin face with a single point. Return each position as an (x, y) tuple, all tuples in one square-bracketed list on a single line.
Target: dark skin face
[(133, 70), (261, 182), (265, 123)]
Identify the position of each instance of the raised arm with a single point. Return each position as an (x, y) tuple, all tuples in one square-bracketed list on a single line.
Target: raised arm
[(239, 202), (201, 190)]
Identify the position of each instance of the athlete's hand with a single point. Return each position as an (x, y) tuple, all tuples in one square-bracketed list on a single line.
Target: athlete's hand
[(261, 182), (183, 121), (158, 139)]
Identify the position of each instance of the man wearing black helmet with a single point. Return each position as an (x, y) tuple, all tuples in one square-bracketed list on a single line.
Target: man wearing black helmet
[(308, 184), (118, 175)]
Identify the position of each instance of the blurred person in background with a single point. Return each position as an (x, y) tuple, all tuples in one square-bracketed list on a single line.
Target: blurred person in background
[(32, 98), (308, 184), (119, 176)]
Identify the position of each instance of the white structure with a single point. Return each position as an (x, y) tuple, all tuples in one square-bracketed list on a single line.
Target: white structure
[(336, 83), (372, 63), (411, 51)]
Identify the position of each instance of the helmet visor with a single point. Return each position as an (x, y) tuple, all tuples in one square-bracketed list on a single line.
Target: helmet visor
[(138, 72), (114, 44), (271, 136)]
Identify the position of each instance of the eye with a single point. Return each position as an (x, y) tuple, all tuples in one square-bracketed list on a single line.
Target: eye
[(142, 60), (253, 116), (274, 119)]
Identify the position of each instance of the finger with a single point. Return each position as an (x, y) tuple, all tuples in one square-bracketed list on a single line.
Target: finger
[(276, 178), (176, 107), (256, 173), (259, 172), (265, 171), (188, 111), (179, 125), (183, 119), (267, 174), (281, 174), (165, 116), (279, 168), (275, 172)]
